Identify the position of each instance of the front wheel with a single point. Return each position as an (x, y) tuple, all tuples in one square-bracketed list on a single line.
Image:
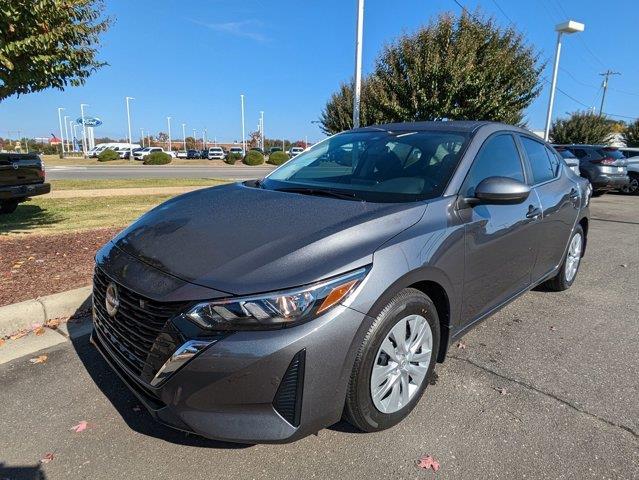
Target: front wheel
[(394, 362), (570, 266)]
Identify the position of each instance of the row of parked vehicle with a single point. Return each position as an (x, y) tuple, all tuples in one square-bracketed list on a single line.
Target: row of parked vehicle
[(606, 168), (124, 150)]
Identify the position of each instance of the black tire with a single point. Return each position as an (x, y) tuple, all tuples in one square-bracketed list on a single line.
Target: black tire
[(633, 187), (8, 206), (598, 193), (559, 282), (360, 410)]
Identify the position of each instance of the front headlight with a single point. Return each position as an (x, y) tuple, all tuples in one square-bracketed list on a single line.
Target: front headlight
[(277, 309)]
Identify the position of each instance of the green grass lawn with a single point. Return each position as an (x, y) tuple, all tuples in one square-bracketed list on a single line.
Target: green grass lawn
[(45, 215), (133, 183)]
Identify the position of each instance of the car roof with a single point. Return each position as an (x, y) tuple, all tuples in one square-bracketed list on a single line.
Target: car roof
[(447, 125), (583, 145)]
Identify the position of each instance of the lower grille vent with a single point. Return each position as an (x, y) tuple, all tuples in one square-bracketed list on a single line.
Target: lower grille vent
[(288, 399)]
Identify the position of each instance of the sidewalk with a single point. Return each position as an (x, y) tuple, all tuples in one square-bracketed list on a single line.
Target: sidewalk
[(121, 192)]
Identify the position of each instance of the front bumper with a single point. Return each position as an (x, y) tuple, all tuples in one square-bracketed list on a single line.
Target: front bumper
[(230, 391), (24, 191)]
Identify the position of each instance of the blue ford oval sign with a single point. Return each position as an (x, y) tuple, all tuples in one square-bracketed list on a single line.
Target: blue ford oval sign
[(89, 121)]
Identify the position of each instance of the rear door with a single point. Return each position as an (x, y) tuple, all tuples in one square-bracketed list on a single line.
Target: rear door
[(559, 198), (19, 169), (500, 240)]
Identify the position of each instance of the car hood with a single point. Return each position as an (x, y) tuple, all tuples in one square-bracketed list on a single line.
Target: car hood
[(242, 240)]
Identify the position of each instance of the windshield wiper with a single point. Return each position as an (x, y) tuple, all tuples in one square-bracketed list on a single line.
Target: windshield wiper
[(324, 192)]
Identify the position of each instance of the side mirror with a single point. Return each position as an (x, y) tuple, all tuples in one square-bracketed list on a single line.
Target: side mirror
[(501, 191)]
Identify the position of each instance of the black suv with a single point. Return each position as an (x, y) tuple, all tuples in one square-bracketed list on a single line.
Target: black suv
[(21, 176), (605, 167)]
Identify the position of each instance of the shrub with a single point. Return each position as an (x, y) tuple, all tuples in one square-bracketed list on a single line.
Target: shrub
[(277, 158), (157, 158), (581, 127), (108, 155), (231, 158), (631, 135), (253, 158)]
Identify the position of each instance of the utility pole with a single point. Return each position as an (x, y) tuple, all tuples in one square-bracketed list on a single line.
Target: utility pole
[(357, 90), (606, 75), (84, 129)]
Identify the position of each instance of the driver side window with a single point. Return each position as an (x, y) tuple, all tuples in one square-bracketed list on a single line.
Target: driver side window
[(498, 157)]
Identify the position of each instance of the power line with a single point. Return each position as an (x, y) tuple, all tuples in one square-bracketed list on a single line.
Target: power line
[(503, 13)]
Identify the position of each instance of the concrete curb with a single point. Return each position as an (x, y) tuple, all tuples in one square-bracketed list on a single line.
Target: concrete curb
[(42, 309)]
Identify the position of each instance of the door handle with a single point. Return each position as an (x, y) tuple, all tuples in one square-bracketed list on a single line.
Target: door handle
[(574, 194), (533, 212)]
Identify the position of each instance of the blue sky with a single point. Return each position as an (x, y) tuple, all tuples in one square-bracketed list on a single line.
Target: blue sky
[(191, 60)]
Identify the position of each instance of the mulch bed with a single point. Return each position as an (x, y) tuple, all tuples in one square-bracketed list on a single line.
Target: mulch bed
[(36, 265)]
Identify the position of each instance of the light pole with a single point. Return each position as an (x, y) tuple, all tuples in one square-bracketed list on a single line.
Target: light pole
[(357, 90), (75, 135), (142, 135), (128, 118), (243, 140), (204, 140), (84, 129), (168, 121), (262, 130), (66, 132), (194, 139), (567, 27), (61, 133), (184, 136)]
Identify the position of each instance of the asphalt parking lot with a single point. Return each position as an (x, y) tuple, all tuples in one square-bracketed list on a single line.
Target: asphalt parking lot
[(546, 388)]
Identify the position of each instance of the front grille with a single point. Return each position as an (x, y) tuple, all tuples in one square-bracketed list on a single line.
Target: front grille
[(135, 328), (288, 399)]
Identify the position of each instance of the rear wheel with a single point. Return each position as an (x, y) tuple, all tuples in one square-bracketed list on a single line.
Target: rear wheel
[(633, 186), (394, 362), (570, 266), (8, 206)]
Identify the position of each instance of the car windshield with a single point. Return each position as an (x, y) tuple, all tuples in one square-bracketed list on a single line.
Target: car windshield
[(377, 166)]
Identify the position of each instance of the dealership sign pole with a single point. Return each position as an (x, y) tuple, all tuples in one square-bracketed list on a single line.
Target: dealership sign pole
[(61, 132)]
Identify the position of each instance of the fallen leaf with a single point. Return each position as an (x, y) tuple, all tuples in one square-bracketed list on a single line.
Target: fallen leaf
[(553, 328), (39, 330), (427, 462), (624, 265), (461, 346), (2, 341), (502, 390), (18, 334), (39, 359), (53, 323), (46, 458), (80, 427)]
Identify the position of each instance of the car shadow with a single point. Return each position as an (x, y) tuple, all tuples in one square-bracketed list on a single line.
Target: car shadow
[(29, 472), (28, 217), (124, 401)]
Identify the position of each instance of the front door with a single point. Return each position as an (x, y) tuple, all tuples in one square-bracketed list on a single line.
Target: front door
[(500, 240)]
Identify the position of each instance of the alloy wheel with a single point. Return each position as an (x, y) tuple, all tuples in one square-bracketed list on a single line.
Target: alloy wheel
[(401, 364), (574, 257)]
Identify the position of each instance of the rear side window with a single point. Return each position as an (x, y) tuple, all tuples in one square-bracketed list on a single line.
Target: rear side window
[(610, 153), (498, 157), (544, 166)]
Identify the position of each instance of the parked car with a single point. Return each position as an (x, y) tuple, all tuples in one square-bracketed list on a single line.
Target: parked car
[(140, 154), (604, 167), (251, 328), (236, 151), (126, 153), (22, 175), (216, 153), (633, 176), (193, 154), (570, 159), (294, 151), (181, 154), (258, 149), (274, 149)]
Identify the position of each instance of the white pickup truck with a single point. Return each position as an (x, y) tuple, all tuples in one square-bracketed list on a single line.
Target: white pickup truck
[(140, 154)]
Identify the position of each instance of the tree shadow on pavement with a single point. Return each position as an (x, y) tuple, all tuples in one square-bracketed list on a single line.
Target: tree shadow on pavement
[(28, 217), (126, 403)]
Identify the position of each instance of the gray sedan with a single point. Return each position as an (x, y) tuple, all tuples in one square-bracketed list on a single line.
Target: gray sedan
[(266, 310)]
